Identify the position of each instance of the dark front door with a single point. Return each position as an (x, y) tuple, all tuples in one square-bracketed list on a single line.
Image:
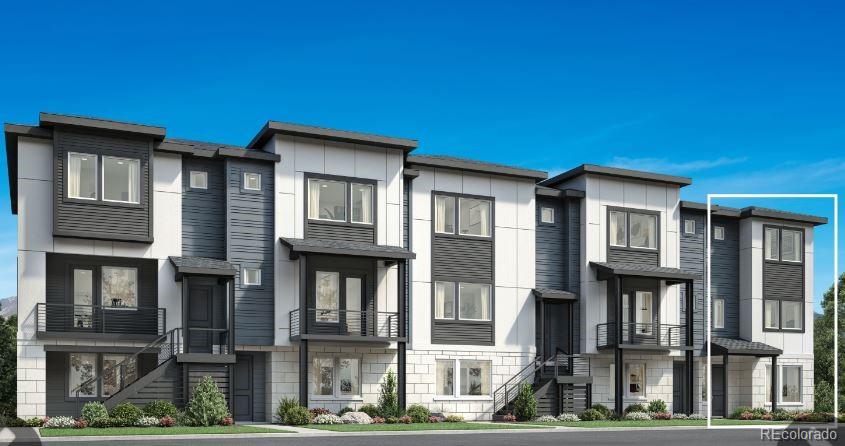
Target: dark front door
[(557, 328), (242, 388), (199, 318), (718, 379), (678, 386)]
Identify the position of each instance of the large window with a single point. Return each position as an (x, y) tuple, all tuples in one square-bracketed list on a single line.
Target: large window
[(642, 311), (83, 367), (336, 376), (121, 179), (82, 176), (328, 200), (474, 216), (784, 245), (474, 378), (718, 313), (473, 303), (789, 378), (117, 370), (635, 380), (119, 287), (117, 373), (632, 229), (327, 286), (783, 314)]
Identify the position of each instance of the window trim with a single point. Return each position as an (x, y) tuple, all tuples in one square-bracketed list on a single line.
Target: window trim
[(98, 364), (456, 284), (244, 275), (723, 313), (689, 220), (780, 230), (456, 381), (373, 203), (245, 185), (628, 212), (625, 381), (454, 301), (102, 291), (768, 368), (457, 222), (336, 395), (347, 221), (716, 230), (779, 328), (191, 179), (96, 180), (103, 179), (542, 220)]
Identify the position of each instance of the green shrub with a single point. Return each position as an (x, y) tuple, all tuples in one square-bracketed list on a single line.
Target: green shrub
[(208, 405), (182, 419), (592, 415), (6, 421), (127, 411), (604, 410), (111, 422), (345, 410), (34, 422), (297, 416), (160, 409), (391, 420), (634, 408), (739, 411), (525, 404), (418, 413), (657, 406), (285, 404), (453, 419), (388, 399), (93, 410), (371, 410), (823, 397)]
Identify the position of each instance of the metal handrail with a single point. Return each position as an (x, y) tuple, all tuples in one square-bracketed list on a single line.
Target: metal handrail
[(174, 347), (100, 318), (638, 333), (574, 365), (345, 322)]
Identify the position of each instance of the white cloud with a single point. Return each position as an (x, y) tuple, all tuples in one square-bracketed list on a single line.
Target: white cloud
[(664, 165)]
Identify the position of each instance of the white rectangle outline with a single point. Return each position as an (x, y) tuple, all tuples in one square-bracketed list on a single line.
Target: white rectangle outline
[(709, 312)]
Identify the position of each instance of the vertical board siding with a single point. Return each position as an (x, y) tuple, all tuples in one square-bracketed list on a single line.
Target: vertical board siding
[(250, 226), (204, 210), (98, 219), (259, 383)]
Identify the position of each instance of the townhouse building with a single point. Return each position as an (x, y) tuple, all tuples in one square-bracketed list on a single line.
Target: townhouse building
[(311, 261)]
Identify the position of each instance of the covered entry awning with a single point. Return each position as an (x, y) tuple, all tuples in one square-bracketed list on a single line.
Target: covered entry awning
[(299, 246), (741, 347), (606, 271), (546, 293), (202, 266)]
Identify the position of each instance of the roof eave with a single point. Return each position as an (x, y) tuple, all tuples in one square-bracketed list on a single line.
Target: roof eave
[(271, 128), (426, 161), (586, 169), (81, 122)]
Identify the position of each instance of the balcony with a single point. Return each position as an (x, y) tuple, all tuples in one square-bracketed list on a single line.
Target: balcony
[(99, 322), (345, 325), (642, 336)]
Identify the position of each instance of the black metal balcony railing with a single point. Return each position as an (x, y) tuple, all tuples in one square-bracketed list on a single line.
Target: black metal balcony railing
[(100, 319), (346, 323), (657, 335), (207, 340)]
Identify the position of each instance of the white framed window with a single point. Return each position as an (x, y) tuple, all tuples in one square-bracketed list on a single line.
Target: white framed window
[(337, 376), (81, 176), (252, 276), (326, 200), (362, 203), (444, 214), (618, 228), (771, 314), (789, 378), (689, 226), (444, 300), (472, 381), (199, 179), (718, 313), (327, 286), (474, 217), (635, 380), (252, 181), (790, 245), (121, 179), (771, 244), (81, 368), (791, 315), (119, 287), (547, 215), (719, 232), (474, 301)]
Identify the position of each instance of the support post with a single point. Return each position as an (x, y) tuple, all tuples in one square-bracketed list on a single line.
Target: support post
[(303, 373), (185, 290), (690, 342), (726, 386), (403, 333), (401, 381), (303, 330), (774, 395), (619, 372), (688, 384), (231, 337)]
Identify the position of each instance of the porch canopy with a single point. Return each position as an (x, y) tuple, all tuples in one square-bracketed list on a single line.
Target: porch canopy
[(725, 347), (546, 293), (299, 246), (672, 276), (202, 266)]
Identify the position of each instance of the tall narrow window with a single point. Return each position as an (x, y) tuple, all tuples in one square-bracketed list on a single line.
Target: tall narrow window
[(323, 376), (82, 176), (474, 302), (689, 226), (618, 228), (444, 300), (643, 231), (327, 286), (83, 367), (349, 379), (790, 384), (445, 377), (444, 214), (362, 203), (199, 180), (119, 287), (326, 200), (118, 372), (636, 379), (771, 314), (790, 245), (771, 244), (83, 298), (791, 319), (643, 312), (252, 181), (474, 217), (719, 232), (121, 179), (718, 313), (354, 290)]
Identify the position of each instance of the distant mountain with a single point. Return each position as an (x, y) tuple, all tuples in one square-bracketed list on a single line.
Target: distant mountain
[(9, 306), (817, 315)]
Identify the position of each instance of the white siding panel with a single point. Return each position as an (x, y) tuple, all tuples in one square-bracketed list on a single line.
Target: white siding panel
[(507, 256), (339, 158), (309, 155), (167, 173), (507, 316), (506, 210), (525, 193), (476, 184), (446, 180), (286, 168), (422, 247), (526, 266), (35, 215), (370, 162), (421, 196)]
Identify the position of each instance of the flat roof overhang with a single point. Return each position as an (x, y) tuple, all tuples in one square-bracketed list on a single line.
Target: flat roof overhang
[(307, 246), (741, 347), (672, 276)]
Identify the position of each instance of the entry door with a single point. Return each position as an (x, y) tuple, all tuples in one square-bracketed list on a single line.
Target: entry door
[(199, 316), (718, 390), (353, 295), (678, 386), (557, 328), (242, 388)]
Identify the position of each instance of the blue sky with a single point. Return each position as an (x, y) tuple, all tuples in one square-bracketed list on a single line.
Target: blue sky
[(745, 97)]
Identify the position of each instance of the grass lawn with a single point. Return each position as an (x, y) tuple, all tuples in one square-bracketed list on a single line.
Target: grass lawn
[(176, 430), (658, 423), (416, 427)]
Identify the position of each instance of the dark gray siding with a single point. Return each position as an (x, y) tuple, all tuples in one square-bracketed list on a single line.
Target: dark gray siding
[(259, 386), (552, 247), (406, 242), (573, 267), (250, 225), (98, 219), (330, 231), (204, 210), (462, 332), (462, 258), (219, 373), (344, 265), (783, 281), (628, 255), (166, 387)]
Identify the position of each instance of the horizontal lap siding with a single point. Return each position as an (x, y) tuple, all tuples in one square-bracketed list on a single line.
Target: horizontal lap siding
[(218, 373), (250, 224), (783, 281), (692, 260), (328, 231), (573, 267), (166, 387), (460, 332), (551, 247), (204, 210), (616, 255), (97, 218), (459, 258), (724, 274)]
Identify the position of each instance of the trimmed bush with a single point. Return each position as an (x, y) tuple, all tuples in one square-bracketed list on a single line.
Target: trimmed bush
[(435, 419), (182, 419), (35, 422), (525, 404), (746, 416), (319, 411), (166, 422), (371, 410), (127, 411), (592, 415), (657, 406), (388, 399), (637, 416), (680, 416), (378, 420), (81, 424), (327, 418), (568, 417), (111, 422), (146, 421), (228, 421), (696, 416), (12, 422), (297, 416), (509, 418), (782, 415), (545, 419), (391, 420), (661, 416), (160, 409), (60, 422), (345, 410), (404, 419), (453, 419), (93, 410), (604, 410), (418, 413), (285, 404), (739, 411), (636, 407), (208, 405), (356, 418)]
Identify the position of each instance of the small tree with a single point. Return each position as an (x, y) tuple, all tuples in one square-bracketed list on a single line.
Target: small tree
[(8, 365), (388, 400), (208, 405), (525, 405)]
